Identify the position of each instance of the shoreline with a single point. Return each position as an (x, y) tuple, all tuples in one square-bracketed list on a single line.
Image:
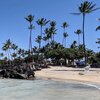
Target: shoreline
[(69, 74)]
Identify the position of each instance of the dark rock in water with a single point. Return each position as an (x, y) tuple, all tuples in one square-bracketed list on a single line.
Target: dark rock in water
[(15, 75), (18, 76), (2, 73), (18, 71)]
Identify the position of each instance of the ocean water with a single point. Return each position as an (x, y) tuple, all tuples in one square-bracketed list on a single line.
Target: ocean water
[(47, 90)]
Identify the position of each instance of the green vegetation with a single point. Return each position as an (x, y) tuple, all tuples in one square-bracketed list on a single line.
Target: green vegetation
[(55, 52)]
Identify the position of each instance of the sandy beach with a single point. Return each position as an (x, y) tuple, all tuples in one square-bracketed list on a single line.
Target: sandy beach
[(74, 74)]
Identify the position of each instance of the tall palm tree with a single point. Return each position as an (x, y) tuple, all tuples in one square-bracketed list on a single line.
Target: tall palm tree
[(85, 8), (78, 32), (30, 18), (52, 29), (65, 35), (42, 22)]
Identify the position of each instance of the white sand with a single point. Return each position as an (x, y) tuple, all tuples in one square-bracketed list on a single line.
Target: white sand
[(65, 73)]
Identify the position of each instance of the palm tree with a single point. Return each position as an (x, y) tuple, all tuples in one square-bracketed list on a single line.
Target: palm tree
[(73, 45), (42, 22), (65, 35), (78, 32), (52, 29), (38, 40), (30, 18), (14, 47), (45, 39), (64, 26), (52, 32), (47, 33), (85, 8)]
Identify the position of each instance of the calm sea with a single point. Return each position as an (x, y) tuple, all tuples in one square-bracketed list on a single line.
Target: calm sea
[(47, 90)]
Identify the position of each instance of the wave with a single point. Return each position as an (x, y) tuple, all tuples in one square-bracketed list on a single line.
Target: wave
[(92, 85)]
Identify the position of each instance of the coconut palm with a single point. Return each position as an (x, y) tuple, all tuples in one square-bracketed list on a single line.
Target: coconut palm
[(65, 35), (41, 22), (30, 18), (45, 39), (47, 33), (85, 8), (52, 32), (14, 47), (52, 29), (64, 26), (73, 45), (78, 32), (38, 40), (53, 23)]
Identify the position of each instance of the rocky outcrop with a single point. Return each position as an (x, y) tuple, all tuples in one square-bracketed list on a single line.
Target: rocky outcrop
[(18, 72)]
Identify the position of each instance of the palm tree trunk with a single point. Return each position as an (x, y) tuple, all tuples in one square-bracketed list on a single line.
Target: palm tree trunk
[(30, 40), (39, 45), (53, 37), (84, 38), (63, 36), (78, 40), (41, 36), (63, 41)]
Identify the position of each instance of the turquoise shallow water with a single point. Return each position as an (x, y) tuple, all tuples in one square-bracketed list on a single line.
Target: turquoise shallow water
[(47, 90)]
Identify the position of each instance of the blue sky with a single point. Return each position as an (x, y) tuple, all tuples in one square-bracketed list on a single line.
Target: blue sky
[(14, 26)]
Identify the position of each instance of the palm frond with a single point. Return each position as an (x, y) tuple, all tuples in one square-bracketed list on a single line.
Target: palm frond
[(95, 9), (75, 13), (98, 28)]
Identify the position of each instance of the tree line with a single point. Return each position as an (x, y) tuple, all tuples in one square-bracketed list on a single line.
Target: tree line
[(52, 49)]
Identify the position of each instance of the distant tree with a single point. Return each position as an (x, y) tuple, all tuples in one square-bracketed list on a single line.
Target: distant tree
[(41, 22), (65, 35), (52, 29), (7, 48), (78, 32), (38, 40), (30, 18), (73, 45)]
